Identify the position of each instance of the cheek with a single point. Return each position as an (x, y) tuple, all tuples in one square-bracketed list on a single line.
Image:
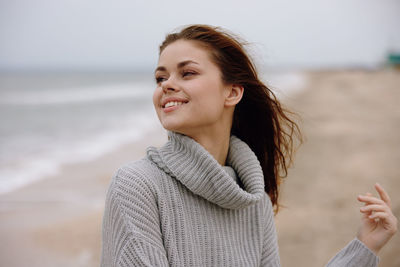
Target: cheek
[(156, 97), (210, 103), (214, 96)]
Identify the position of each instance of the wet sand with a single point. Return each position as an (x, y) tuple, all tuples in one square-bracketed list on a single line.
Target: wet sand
[(351, 121)]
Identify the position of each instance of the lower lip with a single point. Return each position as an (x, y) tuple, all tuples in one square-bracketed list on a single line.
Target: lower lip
[(170, 109)]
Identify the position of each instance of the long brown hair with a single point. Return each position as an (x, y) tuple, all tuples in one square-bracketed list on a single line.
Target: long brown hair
[(259, 119)]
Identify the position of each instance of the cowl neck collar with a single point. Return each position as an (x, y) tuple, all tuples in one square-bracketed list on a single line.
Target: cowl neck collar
[(187, 161)]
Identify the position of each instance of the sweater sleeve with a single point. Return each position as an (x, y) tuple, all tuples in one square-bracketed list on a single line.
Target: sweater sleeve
[(131, 228), (270, 251), (355, 254)]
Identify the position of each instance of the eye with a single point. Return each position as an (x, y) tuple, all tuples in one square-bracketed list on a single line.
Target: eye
[(188, 73), (160, 79)]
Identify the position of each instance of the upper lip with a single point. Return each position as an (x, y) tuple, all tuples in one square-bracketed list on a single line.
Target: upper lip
[(173, 99)]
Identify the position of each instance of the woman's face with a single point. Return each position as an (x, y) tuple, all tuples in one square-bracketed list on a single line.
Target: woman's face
[(190, 94)]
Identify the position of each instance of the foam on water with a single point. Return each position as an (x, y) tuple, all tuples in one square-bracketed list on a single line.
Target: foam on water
[(74, 95), (43, 129), (48, 162)]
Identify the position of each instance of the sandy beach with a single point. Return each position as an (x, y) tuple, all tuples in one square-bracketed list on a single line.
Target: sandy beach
[(351, 123), (350, 120)]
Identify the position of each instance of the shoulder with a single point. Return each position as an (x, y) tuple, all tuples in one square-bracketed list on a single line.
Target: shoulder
[(138, 178), (140, 168)]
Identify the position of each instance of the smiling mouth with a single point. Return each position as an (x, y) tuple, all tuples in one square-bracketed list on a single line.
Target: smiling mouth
[(173, 104)]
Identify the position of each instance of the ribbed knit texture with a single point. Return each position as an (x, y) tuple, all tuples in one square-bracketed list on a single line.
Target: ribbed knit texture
[(180, 207), (353, 255)]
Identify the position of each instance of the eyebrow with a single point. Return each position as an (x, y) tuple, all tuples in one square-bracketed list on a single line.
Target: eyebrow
[(179, 65)]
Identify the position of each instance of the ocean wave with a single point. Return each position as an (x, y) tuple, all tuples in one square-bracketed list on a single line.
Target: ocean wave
[(30, 168), (77, 94)]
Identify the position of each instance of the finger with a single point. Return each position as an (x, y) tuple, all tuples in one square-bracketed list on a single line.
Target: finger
[(375, 208), (382, 193), (369, 195), (365, 215), (379, 215), (370, 200)]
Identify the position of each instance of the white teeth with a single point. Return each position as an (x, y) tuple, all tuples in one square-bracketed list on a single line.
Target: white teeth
[(172, 103)]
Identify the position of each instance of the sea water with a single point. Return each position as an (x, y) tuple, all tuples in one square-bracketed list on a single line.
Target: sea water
[(49, 119)]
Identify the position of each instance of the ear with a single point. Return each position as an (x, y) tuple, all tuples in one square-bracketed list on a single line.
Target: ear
[(234, 95)]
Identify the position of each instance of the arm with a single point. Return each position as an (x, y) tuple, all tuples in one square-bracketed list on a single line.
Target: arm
[(131, 230), (270, 251), (355, 254), (378, 225)]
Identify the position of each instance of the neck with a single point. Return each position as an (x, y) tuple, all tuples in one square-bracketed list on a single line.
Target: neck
[(215, 138), (217, 146)]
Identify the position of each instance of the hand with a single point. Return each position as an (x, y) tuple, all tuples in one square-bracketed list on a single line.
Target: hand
[(378, 224)]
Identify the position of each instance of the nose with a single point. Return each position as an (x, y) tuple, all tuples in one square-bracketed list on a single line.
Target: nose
[(169, 85)]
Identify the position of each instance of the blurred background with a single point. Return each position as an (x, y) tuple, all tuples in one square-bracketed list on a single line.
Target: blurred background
[(76, 80)]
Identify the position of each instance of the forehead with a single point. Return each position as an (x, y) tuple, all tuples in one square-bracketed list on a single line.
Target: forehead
[(184, 50)]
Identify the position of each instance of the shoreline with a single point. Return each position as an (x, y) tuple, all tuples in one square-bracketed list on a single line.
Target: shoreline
[(64, 211), (350, 121)]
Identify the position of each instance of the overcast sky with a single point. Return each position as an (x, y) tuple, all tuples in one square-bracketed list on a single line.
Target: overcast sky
[(124, 35)]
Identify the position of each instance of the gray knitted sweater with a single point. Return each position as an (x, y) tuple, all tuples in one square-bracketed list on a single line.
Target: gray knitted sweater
[(180, 207)]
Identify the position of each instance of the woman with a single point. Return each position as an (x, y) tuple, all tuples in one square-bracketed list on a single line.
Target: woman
[(206, 197)]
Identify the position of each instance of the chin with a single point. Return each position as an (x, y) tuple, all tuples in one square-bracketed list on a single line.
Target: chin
[(175, 128), (169, 126)]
